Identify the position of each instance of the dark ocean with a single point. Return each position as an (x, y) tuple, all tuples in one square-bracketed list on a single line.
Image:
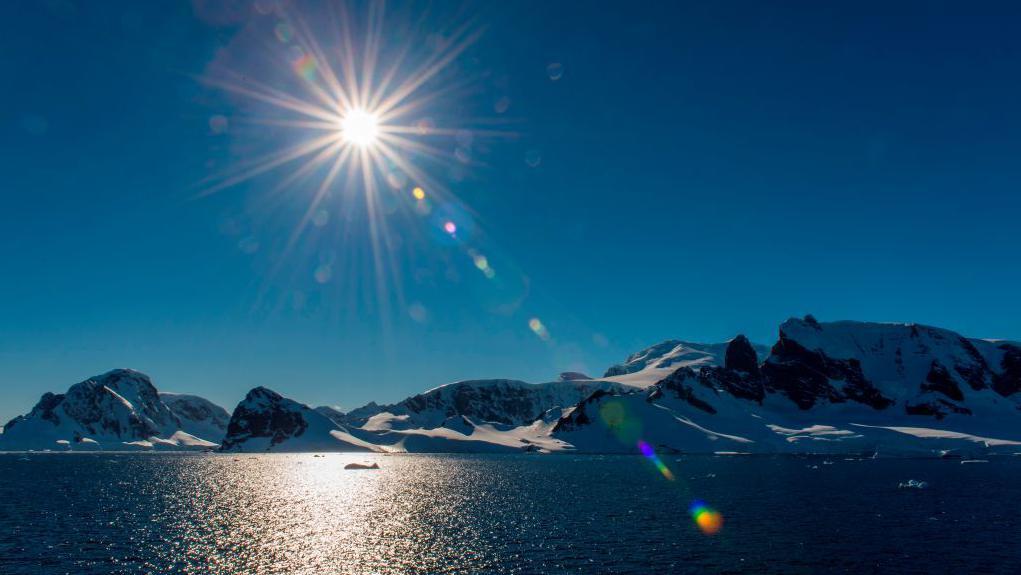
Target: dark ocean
[(291, 514)]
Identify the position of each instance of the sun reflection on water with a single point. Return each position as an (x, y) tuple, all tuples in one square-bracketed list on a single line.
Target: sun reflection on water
[(106, 514), (307, 514)]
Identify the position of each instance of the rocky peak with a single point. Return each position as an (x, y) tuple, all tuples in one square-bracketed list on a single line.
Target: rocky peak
[(265, 413), (1008, 382), (678, 384), (805, 375), (741, 356), (122, 403)]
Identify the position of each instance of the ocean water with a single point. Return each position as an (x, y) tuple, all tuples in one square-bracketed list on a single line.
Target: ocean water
[(296, 514)]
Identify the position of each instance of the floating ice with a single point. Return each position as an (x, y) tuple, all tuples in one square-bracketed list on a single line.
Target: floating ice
[(913, 484), (362, 466)]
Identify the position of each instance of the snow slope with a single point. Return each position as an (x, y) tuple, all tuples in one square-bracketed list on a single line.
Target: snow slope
[(652, 364), (197, 416)]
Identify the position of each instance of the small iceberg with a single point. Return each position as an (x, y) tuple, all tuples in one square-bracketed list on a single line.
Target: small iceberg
[(963, 461), (362, 466), (913, 484)]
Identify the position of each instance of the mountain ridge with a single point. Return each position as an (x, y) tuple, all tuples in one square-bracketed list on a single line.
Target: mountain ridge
[(842, 386)]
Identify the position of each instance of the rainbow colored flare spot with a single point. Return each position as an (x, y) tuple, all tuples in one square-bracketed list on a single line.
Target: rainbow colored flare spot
[(650, 454), (708, 520), (305, 67), (535, 324)]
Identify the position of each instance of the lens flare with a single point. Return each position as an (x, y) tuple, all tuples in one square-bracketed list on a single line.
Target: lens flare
[(418, 194), (305, 66), (708, 520), (535, 324), (650, 454)]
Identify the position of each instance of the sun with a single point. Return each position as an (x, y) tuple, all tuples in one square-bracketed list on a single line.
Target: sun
[(359, 128)]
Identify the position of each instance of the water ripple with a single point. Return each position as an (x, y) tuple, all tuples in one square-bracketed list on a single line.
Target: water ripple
[(297, 514)]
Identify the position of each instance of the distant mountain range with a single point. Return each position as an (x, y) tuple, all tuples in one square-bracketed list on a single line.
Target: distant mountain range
[(838, 387)]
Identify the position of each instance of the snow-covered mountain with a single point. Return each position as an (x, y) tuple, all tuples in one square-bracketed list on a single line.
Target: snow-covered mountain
[(919, 369), (267, 421), (197, 415), (118, 410), (841, 386), (822, 387), (502, 401), (652, 364), (496, 415)]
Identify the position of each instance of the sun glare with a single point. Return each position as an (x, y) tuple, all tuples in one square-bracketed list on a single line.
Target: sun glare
[(366, 135), (359, 128)]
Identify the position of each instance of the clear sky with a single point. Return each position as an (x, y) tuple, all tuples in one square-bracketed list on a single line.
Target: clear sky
[(689, 170)]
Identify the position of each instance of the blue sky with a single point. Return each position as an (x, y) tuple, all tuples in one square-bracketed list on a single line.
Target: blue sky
[(703, 170)]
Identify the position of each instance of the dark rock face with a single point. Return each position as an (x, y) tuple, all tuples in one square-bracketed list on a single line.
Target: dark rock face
[(496, 403), (616, 370), (744, 385), (741, 356), (197, 409), (1008, 382), (938, 409), (502, 401), (580, 417), (939, 380), (264, 413), (975, 374), (675, 383), (804, 377), (573, 376)]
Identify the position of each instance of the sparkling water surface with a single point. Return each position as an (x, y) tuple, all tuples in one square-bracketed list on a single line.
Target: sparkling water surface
[(253, 514)]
